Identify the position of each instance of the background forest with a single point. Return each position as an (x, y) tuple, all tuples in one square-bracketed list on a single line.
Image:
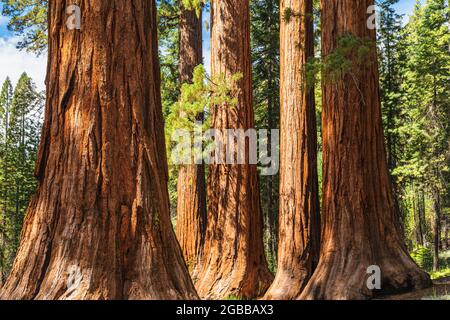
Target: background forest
[(414, 65)]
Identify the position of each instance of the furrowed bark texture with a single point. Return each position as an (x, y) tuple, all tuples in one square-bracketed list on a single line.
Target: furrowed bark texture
[(191, 187), (299, 226), (99, 225), (234, 263), (361, 226)]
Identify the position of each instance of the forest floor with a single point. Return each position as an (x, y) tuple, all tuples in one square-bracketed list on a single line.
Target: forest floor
[(439, 291)]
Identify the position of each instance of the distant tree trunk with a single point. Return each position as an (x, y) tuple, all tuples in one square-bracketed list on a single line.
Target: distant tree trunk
[(99, 225), (446, 227), (273, 113), (191, 188), (3, 244), (299, 226), (272, 208), (418, 221), (361, 227), (233, 263), (422, 220), (437, 228)]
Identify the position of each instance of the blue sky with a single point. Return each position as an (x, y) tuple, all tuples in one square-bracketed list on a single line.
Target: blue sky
[(405, 6), (13, 62), (3, 29)]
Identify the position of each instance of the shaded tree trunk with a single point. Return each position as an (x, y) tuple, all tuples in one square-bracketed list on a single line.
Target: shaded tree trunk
[(191, 187), (99, 225), (361, 222), (418, 221), (272, 207), (437, 228), (299, 226), (446, 227), (233, 263), (190, 43), (422, 220), (3, 244), (273, 111)]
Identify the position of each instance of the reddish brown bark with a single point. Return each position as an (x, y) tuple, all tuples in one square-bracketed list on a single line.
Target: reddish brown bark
[(234, 261), (361, 226), (99, 225), (190, 43), (191, 212), (191, 188), (299, 224)]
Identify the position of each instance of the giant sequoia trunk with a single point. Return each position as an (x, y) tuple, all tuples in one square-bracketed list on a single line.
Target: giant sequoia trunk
[(99, 226), (191, 206), (233, 261), (361, 226), (299, 226)]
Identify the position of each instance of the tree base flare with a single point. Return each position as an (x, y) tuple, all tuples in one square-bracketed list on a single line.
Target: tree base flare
[(335, 279)]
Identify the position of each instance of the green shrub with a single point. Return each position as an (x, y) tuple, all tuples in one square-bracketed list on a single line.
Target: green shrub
[(423, 257)]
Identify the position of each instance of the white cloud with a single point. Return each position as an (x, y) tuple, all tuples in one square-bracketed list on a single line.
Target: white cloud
[(14, 62)]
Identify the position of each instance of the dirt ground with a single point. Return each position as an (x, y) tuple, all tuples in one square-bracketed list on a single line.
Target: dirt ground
[(439, 291)]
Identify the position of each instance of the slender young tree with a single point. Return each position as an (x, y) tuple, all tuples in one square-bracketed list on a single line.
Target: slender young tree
[(361, 229), (425, 124), (99, 225), (191, 188), (299, 226), (234, 263), (390, 79), (23, 139), (6, 96), (5, 245)]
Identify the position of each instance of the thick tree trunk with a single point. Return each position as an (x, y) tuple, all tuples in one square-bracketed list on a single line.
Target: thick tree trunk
[(361, 227), (234, 263), (99, 225), (299, 233), (190, 43), (191, 188)]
